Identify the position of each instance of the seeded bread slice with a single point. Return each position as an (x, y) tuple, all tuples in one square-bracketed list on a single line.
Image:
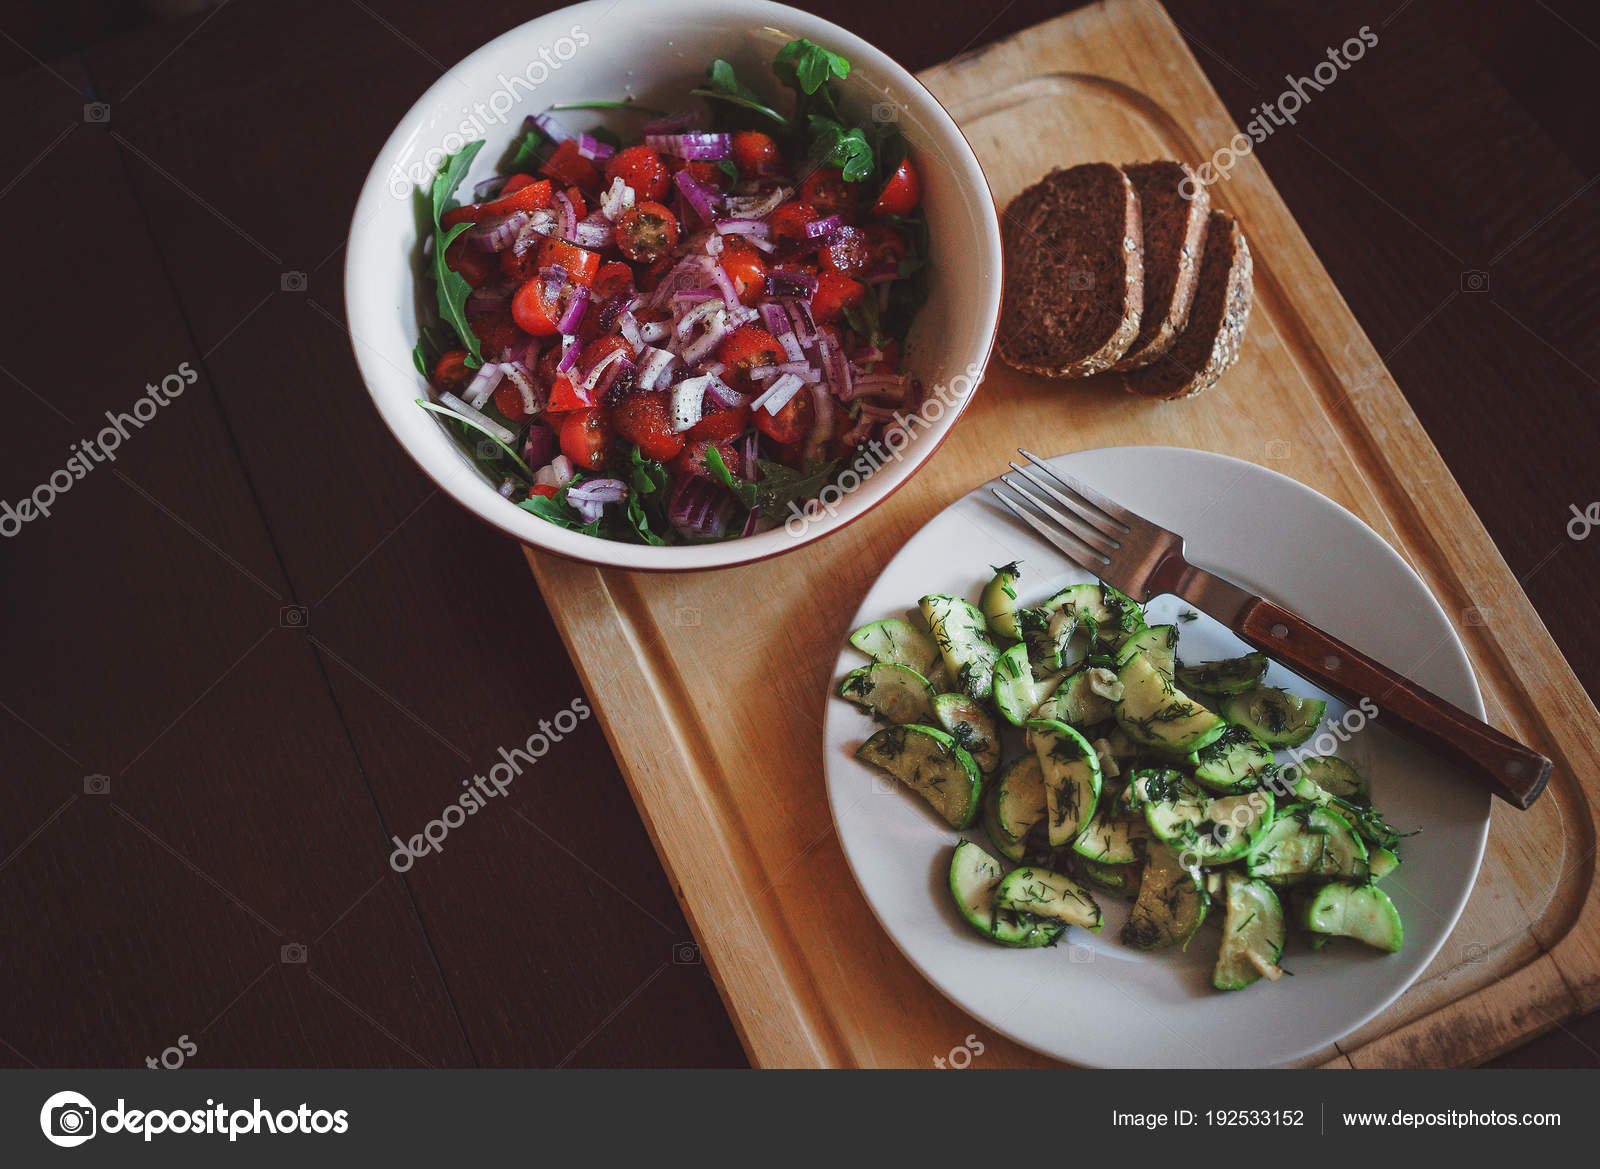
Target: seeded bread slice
[(1210, 343), (1173, 211), (1074, 272)]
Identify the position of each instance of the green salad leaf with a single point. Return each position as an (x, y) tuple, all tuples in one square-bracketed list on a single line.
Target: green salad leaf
[(647, 493), (807, 64), (452, 287), (722, 84), (776, 486)]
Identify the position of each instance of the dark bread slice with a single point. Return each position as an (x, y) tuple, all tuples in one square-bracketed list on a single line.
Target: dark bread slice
[(1209, 345), (1074, 272), (1173, 210)]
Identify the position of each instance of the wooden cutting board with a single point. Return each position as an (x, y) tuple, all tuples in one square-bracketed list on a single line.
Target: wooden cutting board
[(711, 686)]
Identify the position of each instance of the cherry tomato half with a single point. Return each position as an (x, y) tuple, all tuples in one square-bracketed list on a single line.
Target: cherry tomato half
[(791, 424), (534, 310), (646, 232), (720, 421), (901, 193), (613, 277), (580, 264), (745, 349), (849, 252), (450, 373), (835, 293), (692, 460), (646, 420), (587, 439), (825, 190), (529, 196), (745, 267), (569, 168), (788, 222), (508, 400), (752, 150), (888, 247), (642, 169)]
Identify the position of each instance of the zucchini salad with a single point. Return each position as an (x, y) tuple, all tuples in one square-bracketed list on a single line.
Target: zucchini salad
[(1136, 776)]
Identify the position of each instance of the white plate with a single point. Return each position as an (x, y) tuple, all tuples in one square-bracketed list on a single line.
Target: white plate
[(1093, 1000)]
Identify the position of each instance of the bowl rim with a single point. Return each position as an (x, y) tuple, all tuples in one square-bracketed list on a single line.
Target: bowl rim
[(599, 551)]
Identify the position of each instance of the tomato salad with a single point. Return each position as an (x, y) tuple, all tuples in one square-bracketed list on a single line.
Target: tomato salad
[(676, 340)]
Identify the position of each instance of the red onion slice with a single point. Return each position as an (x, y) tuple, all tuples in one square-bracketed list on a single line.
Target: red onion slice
[(593, 149), (483, 384), (553, 129), (702, 197), (572, 318), (695, 146)]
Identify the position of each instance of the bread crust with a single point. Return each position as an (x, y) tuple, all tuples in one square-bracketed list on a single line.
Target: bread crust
[(1029, 260), (1166, 309), (1224, 321)]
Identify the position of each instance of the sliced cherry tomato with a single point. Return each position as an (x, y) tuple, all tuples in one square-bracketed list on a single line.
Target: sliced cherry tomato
[(474, 266), (529, 197), (901, 193), (792, 423), (745, 349), (646, 421), (788, 222), (848, 253), (752, 150), (536, 311), (565, 396), (719, 421), (888, 247), (745, 267), (890, 362), (580, 264), (613, 277), (642, 169), (709, 173), (450, 373), (598, 350), (493, 323), (646, 232), (692, 460), (826, 190), (543, 489), (835, 293), (651, 276), (508, 400), (587, 439), (580, 205), (569, 168), (515, 183)]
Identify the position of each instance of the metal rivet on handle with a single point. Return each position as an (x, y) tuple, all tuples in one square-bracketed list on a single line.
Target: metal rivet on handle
[(1280, 631)]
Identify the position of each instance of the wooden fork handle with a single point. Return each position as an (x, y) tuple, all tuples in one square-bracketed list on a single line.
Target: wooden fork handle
[(1515, 773)]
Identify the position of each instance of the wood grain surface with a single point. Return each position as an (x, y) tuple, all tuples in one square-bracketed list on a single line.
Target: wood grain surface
[(282, 648)]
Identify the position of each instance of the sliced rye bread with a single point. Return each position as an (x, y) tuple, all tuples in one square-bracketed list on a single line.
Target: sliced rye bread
[(1174, 232), (1210, 343), (1074, 272)]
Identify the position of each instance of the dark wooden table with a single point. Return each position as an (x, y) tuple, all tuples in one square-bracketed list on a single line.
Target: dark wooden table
[(243, 655)]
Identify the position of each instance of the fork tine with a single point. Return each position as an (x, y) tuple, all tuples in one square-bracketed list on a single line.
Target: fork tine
[(1069, 546), (1086, 535), (1115, 511), (1088, 515)]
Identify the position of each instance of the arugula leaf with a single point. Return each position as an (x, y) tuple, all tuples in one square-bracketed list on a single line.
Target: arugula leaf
[(648, 479), (809, 64), (526, 153), (452, 287), (723, 84), (863, 318), (743, 489), (608, 105), (848, 149), (433, 342), (473, 424), (558, 511)]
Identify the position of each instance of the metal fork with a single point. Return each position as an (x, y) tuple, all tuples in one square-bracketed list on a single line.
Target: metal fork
[(1145, 560)]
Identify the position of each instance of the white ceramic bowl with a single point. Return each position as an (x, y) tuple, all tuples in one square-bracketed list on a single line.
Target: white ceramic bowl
[(655, 51)]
